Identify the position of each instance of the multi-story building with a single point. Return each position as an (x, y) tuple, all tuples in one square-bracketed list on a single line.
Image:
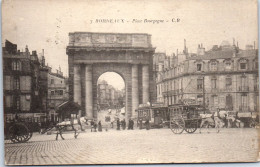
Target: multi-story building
[(108, 96), (21, 84), (56, 90), (222, 77)]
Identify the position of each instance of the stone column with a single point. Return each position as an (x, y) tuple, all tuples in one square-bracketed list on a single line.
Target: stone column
[(135, 93), (88, 91), (145, 79), (76, 85)]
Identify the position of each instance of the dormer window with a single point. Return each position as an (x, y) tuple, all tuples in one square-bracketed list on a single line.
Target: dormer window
[(227, 65), (213, 66), (242, 66)]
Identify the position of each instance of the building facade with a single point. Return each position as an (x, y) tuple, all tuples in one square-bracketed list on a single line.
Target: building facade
[(223, 77), (109, 97), (21, 84), (54, 88)]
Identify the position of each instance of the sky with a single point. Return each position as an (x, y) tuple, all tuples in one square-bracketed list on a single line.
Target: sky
[(45, 24), (113, 79)]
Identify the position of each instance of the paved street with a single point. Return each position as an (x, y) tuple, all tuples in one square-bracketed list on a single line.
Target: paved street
[(137, 146)]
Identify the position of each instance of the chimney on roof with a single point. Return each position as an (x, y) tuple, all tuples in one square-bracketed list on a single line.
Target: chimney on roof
[(185, 48), (201, 50), (26, 48)]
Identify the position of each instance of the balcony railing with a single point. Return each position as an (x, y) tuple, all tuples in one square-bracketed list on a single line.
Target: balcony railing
[(243, 88), (227, 89)]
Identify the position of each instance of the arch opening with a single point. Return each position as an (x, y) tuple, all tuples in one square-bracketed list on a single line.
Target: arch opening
[(111, 97)]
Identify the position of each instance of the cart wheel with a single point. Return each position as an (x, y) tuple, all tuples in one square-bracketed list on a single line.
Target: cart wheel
[(191, 126), (177, 126), (19, 133)]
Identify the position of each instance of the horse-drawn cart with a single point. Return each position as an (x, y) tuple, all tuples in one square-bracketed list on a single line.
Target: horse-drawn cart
[(184, 117), (19, 132)]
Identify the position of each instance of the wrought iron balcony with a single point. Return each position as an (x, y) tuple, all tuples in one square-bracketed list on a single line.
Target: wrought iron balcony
[(226, 89)]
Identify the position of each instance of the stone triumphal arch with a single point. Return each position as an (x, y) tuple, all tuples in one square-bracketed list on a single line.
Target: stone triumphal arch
[(92, 54)]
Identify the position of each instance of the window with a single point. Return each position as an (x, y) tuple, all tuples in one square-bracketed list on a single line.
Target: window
[(242, 66), (59, 92), (228, 83), (16, 65), (8, 101), (228, 65), (199, 84), (52, 81), (244, 102), (8, 82), (214, 83), (229, 102), (215, 101), (243, 83), (52, 92), (199, 67), (200, 99), (16, 83), (213, 66), (256, 64), (17, 102)]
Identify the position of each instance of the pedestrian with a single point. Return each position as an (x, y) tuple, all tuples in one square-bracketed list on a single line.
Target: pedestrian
[(123, 123), (140, 123), (99, 126), (147, 124), (225, 121), (95, 126), (118, 124), (131, 124), (92, 125), (79, 121)]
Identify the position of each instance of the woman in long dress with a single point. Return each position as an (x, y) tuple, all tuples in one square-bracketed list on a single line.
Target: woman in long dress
[(99, 126)]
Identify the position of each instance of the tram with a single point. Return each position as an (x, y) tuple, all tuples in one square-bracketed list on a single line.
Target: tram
[(156, 114)]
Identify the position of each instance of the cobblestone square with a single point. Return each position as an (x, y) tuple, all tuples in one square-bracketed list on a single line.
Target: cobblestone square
[(136, 146)]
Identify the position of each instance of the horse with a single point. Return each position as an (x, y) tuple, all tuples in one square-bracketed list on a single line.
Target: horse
[(62, 126), (214, 120)]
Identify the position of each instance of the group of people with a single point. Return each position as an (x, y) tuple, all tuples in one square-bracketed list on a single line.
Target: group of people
[(123, 124), (95, 126), (98, 126)]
